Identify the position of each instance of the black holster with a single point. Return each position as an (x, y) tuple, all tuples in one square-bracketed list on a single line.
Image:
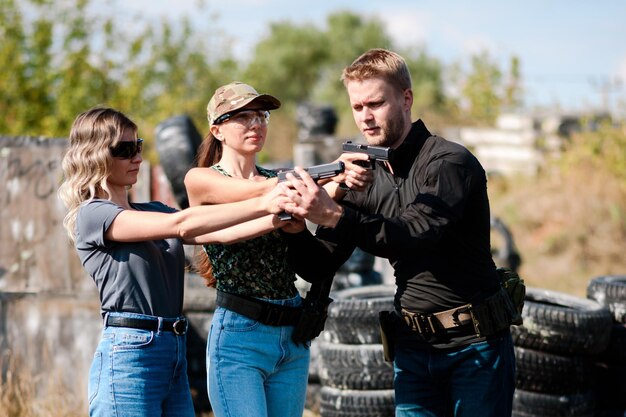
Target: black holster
[(496, 313), (387, 333), (516, 289), (312, 319)]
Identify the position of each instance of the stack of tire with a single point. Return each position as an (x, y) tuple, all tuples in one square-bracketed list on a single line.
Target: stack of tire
[(355, 380), (556, 349), (610, 291)]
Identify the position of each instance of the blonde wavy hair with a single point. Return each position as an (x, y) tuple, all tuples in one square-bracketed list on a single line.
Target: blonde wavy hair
[(87, 162)]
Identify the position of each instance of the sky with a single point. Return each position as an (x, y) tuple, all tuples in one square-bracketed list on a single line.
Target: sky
[(572, 52)]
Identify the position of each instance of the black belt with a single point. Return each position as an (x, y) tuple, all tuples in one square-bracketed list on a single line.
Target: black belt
[(267, 313), (483, 319), (179, 326), (426, 324)]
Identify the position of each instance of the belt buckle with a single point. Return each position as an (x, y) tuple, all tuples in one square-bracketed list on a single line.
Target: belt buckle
[(180, 327), (425, 324), (422, 324), (461, 310), (475, 321)]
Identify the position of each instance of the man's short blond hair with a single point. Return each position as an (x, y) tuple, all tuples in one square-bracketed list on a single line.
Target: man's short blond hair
[(379, 63)]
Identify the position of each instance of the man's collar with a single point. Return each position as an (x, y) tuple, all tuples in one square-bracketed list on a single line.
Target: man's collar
[(403, 156)]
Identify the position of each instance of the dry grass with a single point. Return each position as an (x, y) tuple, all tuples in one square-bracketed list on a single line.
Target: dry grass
[(25, 395), (569, 223)]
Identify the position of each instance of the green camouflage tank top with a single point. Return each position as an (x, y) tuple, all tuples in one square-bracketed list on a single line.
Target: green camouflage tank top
[(256, 267)]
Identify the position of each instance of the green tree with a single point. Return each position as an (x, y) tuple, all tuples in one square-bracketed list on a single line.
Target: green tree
[(61, 60), (513, 86), (81, 74), (427, 78), (348, 36), (288, 61), (481, 89), (13, 67)]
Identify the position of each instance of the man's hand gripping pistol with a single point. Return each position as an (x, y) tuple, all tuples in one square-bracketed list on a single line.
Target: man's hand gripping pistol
[(317, 172), (373, 152)]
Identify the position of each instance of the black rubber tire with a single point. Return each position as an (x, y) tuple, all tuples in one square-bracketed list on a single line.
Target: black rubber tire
[(535, 404), (353, 316), (610, 291), (354, 403), (616, 352), (562, 323), (177, 142), (610, 413), (314, 363), (550, 373), (360, 367)]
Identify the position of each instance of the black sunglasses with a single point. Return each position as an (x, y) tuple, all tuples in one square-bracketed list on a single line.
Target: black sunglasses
[(126, 149)]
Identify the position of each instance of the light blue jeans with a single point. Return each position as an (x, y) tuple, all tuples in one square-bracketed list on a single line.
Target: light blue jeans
[(139, 373), (254, 369), (472, 380)]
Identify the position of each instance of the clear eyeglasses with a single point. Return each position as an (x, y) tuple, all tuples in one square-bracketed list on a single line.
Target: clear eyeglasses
[(247, 118)]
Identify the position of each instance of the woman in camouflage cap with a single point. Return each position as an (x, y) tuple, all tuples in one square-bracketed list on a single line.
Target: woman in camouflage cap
[(253, 366)]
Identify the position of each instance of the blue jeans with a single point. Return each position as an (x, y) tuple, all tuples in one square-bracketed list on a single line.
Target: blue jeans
[(254, 369), (472, 380), (139, 373)]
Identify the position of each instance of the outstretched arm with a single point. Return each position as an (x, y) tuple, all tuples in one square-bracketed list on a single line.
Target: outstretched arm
[(134, 226), (248, 230), (207, 186)]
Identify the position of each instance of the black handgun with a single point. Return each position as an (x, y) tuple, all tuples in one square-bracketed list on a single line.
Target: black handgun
[(373, 152), (317, 172)]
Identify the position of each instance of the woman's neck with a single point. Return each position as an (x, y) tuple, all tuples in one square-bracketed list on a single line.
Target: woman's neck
[(119, 195), (239, 166)]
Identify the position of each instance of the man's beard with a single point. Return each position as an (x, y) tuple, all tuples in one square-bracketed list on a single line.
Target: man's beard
[(391, 133)]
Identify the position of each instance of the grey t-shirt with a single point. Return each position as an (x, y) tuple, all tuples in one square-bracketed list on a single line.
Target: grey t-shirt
[(138, 277)]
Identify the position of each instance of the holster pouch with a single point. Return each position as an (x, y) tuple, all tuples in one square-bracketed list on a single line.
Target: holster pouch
[(312, 320), (496, 313), (387, 334), (516, 290)]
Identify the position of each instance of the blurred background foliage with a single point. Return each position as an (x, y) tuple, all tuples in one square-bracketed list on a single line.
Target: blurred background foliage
[(58, 59)]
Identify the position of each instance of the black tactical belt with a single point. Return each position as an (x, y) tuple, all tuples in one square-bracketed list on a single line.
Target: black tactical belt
[(179, 326), (426, 324), (486, 318), (264, 312)]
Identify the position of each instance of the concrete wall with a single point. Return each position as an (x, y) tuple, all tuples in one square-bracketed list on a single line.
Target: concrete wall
[(50, 319), (35, 255), (49, 310)]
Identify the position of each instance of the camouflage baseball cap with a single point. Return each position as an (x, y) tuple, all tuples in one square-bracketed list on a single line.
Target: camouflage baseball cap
[(237, 95)]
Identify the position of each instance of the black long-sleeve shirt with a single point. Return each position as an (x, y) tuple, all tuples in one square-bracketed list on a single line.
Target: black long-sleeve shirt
[(430, 218)]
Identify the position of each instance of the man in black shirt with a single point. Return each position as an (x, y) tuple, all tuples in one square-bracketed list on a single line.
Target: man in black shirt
[(427, 211)]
